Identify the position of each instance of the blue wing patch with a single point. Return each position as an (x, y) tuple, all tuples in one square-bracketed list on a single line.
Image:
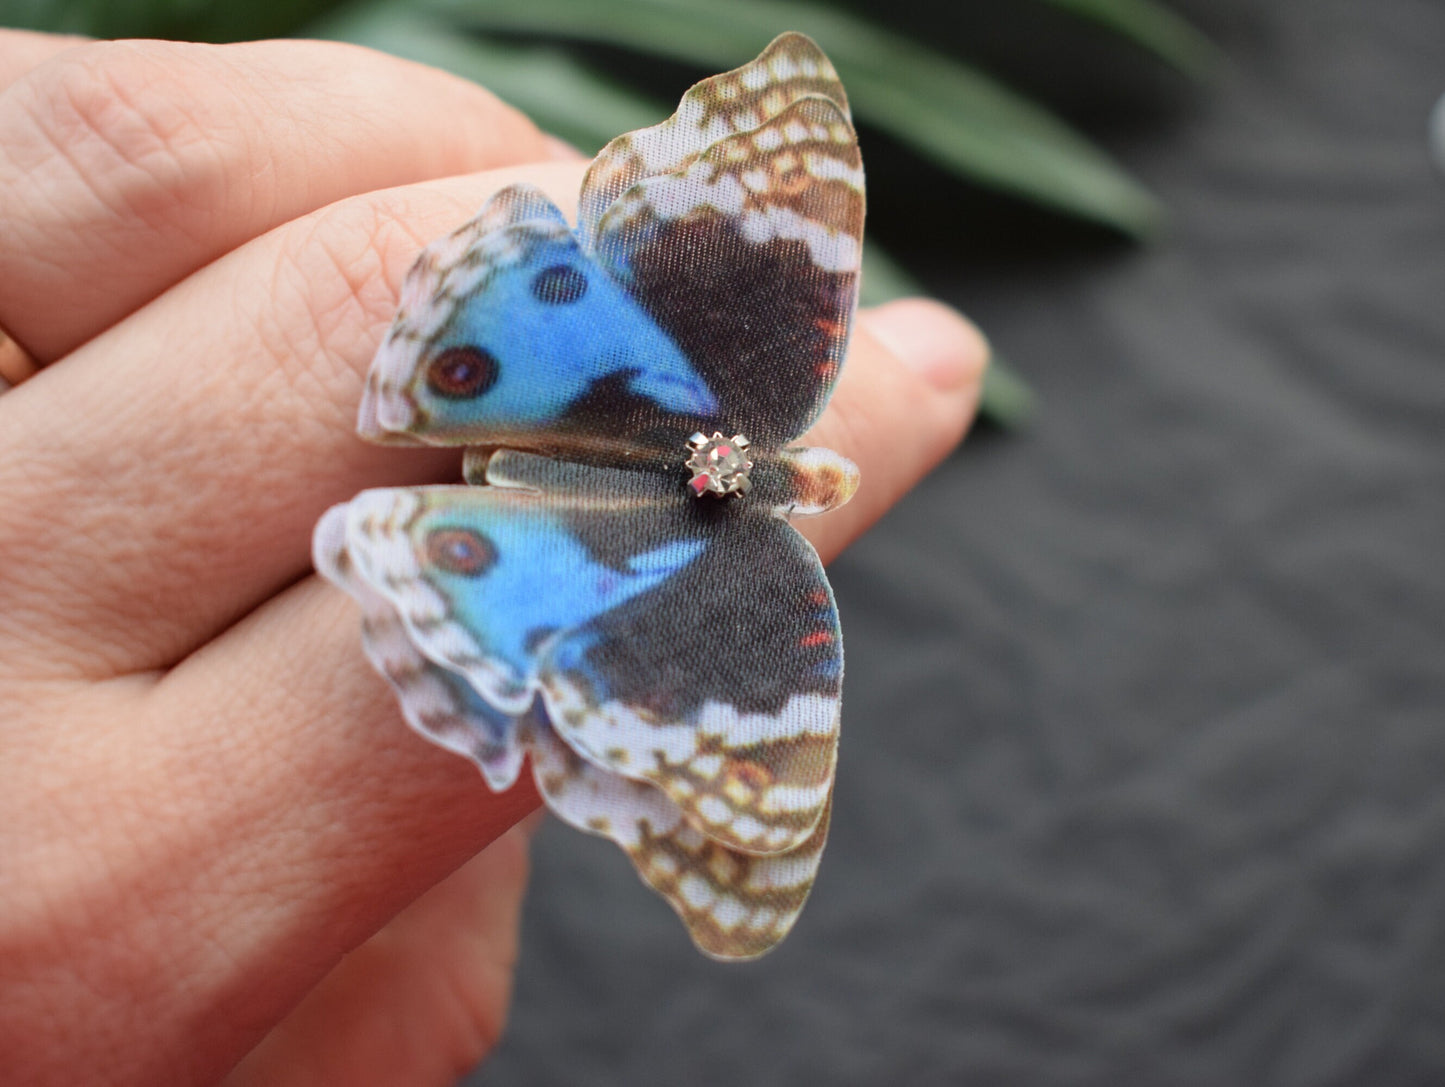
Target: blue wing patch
[(514, 346), (485, 577)]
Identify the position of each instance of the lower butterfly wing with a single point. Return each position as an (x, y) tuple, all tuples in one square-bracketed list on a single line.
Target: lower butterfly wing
[(438, 703), (483, 578), (735, 905), (692, 645), (721, 685)]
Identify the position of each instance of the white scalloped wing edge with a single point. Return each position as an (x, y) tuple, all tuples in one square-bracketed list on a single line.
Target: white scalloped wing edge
[(423, 689), (615, 737), (381, 549)]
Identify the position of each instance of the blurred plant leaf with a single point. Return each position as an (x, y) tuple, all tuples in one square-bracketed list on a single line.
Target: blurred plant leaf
[(1006, 397), (1156, 28), (884, 279), (545, 83), (945, 110), (187, 20)]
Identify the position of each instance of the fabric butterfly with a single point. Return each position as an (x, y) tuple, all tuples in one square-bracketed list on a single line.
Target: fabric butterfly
[(670, 660)]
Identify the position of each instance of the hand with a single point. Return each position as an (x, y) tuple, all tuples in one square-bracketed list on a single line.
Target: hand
[(218, 841)]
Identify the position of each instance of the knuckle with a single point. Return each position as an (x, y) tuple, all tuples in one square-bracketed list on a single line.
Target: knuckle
[(336, 283), (129, 119)]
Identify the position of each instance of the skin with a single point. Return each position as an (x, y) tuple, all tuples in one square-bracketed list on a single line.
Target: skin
[(222, 855)]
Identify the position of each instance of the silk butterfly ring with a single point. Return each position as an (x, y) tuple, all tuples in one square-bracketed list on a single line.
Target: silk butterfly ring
[(616, 595)]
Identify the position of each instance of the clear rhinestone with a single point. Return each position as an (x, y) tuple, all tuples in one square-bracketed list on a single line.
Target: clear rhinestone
[(719, 465)]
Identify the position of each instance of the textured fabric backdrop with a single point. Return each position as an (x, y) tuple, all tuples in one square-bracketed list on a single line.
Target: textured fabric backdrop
[(1143, 764)]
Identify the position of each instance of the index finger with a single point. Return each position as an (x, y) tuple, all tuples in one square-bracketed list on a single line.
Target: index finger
[(125, 166)]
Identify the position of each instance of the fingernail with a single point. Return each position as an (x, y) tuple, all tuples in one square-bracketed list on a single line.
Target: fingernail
[(933, 340)]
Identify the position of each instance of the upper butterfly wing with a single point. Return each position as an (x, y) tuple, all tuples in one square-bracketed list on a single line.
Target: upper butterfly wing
[(747, 257), (508, 333), (713, 287), (790, 68)]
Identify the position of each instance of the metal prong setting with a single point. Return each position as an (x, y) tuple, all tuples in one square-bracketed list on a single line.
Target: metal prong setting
[(719, 465)]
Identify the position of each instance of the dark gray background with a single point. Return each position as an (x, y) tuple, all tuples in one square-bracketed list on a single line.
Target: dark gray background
[(1143, 770)]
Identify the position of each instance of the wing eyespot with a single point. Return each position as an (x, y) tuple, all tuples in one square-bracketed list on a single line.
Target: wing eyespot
[(462, 373), (559, 285), (460, 551)]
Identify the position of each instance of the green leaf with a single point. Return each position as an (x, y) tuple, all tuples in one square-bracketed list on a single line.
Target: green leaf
[(884, 279), (1006, 397), (949, 112), (1154, 27), (545, 83), (189, 20)]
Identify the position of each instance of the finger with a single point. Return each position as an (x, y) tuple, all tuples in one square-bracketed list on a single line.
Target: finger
[(183, 490), (219, 534), (275, 754), (22, 50), (240, 856), (422, 1001), (127, 165), (906, 396)]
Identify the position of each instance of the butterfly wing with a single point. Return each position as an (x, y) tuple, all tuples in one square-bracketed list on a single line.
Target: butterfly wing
[(790, 68), (713, 287), (748, 257), (445, 574), (735, 905), (691, 645), (721, 686), (510, 334), (438, 703)]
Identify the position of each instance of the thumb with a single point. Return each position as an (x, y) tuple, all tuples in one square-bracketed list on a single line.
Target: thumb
[(908, 393), (419, 1003)]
